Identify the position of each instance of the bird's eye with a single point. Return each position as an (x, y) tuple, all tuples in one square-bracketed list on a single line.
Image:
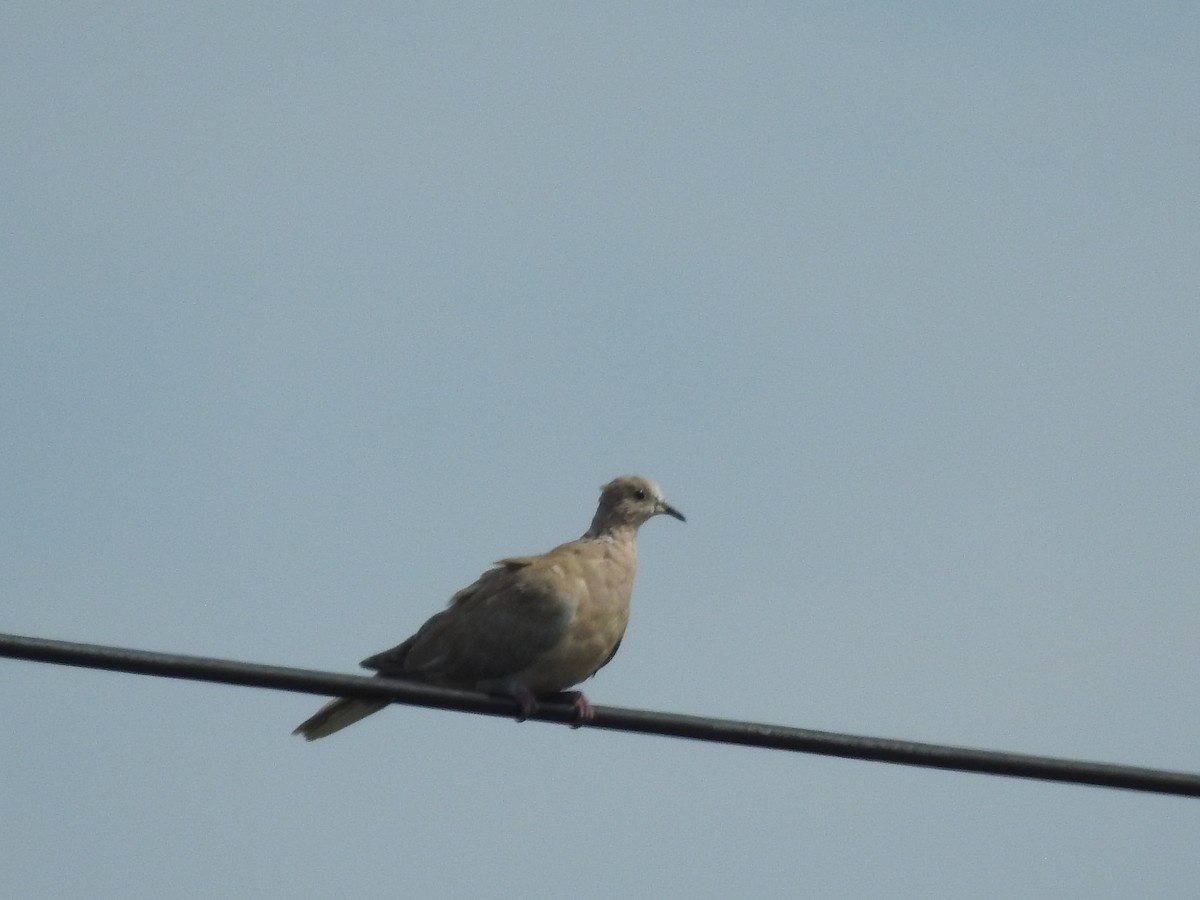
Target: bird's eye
[(639, 494)]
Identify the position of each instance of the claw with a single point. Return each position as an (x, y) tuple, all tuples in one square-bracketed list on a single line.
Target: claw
[(584, 711), (526, 701)]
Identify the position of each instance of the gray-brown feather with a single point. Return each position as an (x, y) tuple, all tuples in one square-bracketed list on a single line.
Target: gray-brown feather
[(491, 630)]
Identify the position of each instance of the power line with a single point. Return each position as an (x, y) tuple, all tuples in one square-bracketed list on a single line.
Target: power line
[(751, 734)]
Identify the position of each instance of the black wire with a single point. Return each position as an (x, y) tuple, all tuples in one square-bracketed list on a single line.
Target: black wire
[(778, 737)]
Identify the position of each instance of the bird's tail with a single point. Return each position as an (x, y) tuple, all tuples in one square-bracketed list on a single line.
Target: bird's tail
[(336, 715)]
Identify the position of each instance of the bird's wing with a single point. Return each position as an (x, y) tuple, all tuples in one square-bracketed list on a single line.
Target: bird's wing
[(492, 629)]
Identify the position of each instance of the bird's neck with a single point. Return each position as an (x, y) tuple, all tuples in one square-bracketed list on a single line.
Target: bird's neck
[(607, 530)]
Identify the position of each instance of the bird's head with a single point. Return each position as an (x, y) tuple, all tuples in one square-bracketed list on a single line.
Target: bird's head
[(629, 501)]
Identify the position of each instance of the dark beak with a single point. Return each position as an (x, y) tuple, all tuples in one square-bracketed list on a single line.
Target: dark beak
[(668, 509)]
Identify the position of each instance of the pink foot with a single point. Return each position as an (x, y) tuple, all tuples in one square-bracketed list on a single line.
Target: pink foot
[(584, 711), (525, 701), (528, 705)]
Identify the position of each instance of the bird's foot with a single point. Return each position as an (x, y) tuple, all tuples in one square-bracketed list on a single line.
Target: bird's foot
[(584, 711), (526, 701)]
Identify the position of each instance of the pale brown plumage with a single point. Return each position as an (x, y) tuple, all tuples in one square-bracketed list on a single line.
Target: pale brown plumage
[(531, 625)]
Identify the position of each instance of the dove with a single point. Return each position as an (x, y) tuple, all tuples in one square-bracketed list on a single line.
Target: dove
[(530, 626)]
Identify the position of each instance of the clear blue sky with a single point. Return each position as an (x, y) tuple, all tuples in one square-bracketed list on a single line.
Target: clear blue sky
[(308, 312)]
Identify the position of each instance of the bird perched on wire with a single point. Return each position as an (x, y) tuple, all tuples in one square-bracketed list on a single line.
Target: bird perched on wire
[(531, 625)]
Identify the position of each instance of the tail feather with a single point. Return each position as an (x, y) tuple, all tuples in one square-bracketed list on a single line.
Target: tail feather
[(336, 715)]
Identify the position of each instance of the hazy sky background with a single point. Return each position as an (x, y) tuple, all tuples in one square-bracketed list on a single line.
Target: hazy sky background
[(308, 312)]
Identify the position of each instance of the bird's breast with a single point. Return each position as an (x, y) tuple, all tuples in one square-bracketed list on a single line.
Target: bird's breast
[(598, 589)]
